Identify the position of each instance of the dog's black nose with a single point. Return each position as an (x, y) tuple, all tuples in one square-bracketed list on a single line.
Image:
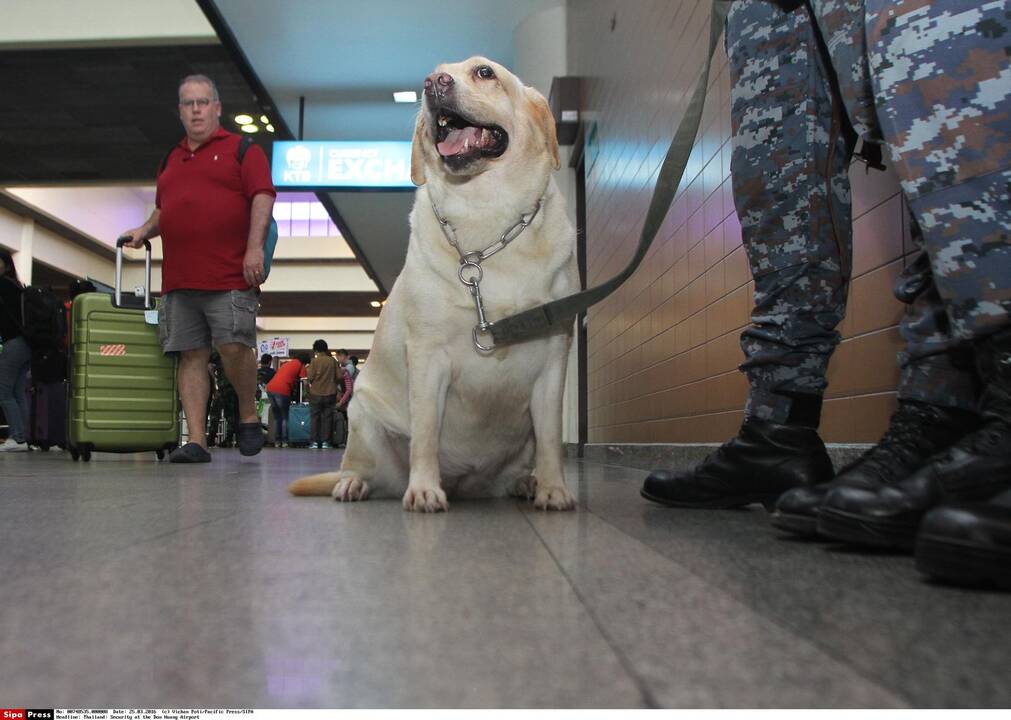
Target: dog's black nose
[(438, 84)]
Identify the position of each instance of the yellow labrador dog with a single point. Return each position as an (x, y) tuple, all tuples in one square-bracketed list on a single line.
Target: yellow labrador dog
[(433, 414)]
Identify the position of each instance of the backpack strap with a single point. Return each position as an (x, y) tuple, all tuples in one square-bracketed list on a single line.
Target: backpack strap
[(164, 161), (244, 145)]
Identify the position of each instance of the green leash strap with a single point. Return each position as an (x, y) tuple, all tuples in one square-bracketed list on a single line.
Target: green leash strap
[(559, 314)]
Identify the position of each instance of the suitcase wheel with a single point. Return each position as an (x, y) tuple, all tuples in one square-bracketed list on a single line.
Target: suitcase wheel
[(160, 454), (75, 454), (86, 454)]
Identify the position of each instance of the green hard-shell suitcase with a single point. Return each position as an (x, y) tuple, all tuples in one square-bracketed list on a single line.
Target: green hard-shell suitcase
[(123, 393)]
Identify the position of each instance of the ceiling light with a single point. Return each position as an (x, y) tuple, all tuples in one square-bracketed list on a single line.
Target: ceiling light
[(270, 128), (243, 119), (264, 119), (376, 303), (250, 128), (405, 96)]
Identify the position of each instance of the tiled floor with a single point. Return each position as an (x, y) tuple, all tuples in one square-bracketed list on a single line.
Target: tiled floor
[(126, 583)]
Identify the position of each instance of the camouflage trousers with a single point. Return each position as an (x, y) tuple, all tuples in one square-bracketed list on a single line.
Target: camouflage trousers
[(791, 186)]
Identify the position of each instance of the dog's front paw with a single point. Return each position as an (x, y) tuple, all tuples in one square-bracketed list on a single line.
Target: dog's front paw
[(553, 497), (525, 488), (425, 499), (350, 487)]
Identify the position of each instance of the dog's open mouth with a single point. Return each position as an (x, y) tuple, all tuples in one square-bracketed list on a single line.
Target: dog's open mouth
[(457, 138)]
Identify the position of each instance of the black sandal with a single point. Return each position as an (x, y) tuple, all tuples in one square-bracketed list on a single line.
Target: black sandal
[(190, 453), (250, 438)]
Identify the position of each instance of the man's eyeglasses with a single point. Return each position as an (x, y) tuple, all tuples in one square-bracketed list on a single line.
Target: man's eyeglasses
[(190, 104)]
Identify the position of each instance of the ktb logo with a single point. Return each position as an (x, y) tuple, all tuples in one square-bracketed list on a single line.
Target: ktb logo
[(298, 159)]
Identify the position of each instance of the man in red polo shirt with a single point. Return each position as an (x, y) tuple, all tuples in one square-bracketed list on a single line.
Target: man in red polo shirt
[(212, 213)]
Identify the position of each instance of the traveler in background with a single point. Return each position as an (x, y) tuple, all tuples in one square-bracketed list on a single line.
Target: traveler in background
[(354, 364), (212, 213), (15, 357), (322, 375), (279, 390), (345, 361), (264, 374), (224, 407), (345, 389)]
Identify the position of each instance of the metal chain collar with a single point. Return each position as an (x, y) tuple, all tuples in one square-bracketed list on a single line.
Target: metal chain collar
[(471, 273)]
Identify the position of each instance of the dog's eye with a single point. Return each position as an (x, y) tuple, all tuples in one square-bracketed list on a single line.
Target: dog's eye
[(484, 72)]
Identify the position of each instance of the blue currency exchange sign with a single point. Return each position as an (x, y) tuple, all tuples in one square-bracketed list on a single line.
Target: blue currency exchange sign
[(316, 164)]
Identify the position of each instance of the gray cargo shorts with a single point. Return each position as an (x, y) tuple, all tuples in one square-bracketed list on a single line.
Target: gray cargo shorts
[(195, 319)]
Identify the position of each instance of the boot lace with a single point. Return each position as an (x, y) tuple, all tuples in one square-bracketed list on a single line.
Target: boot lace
[(915, 432)]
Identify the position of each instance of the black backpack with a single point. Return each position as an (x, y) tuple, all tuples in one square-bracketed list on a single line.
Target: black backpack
[(49, 365), (43, 324), (43, 320)]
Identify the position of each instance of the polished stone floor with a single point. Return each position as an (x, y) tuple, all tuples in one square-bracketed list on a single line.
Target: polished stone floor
[(132, 583)]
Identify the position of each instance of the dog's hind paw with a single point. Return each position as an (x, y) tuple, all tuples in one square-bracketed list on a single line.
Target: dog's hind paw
[(553, 497), (425, 499), (349, 488)]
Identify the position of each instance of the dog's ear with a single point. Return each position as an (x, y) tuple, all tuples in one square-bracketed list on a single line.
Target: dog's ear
[(417, 152), (541, 113)]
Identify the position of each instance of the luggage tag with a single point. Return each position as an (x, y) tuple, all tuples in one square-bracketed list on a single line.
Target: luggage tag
[(150, 316)]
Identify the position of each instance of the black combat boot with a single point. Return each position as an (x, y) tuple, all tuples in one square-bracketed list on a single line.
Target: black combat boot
[(976, 468), (967, 543), (917, 431), (760, 464)]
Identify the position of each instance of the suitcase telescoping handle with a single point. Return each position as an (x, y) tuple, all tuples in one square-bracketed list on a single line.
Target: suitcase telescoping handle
[(120, 242)]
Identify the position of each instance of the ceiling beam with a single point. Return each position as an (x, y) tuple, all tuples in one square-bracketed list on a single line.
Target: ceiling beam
[(55, 226), (319, 304), (335, 323)]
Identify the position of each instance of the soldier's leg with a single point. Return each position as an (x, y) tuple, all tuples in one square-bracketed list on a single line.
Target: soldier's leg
[(935, 365), (942, 77), (942, 81), (791, 191), (935, 396), (931, 372)]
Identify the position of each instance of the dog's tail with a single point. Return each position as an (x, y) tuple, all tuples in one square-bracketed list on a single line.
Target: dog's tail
[(321, 484)]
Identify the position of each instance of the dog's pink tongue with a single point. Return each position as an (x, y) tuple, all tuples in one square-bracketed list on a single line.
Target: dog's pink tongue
[(459, 141)]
